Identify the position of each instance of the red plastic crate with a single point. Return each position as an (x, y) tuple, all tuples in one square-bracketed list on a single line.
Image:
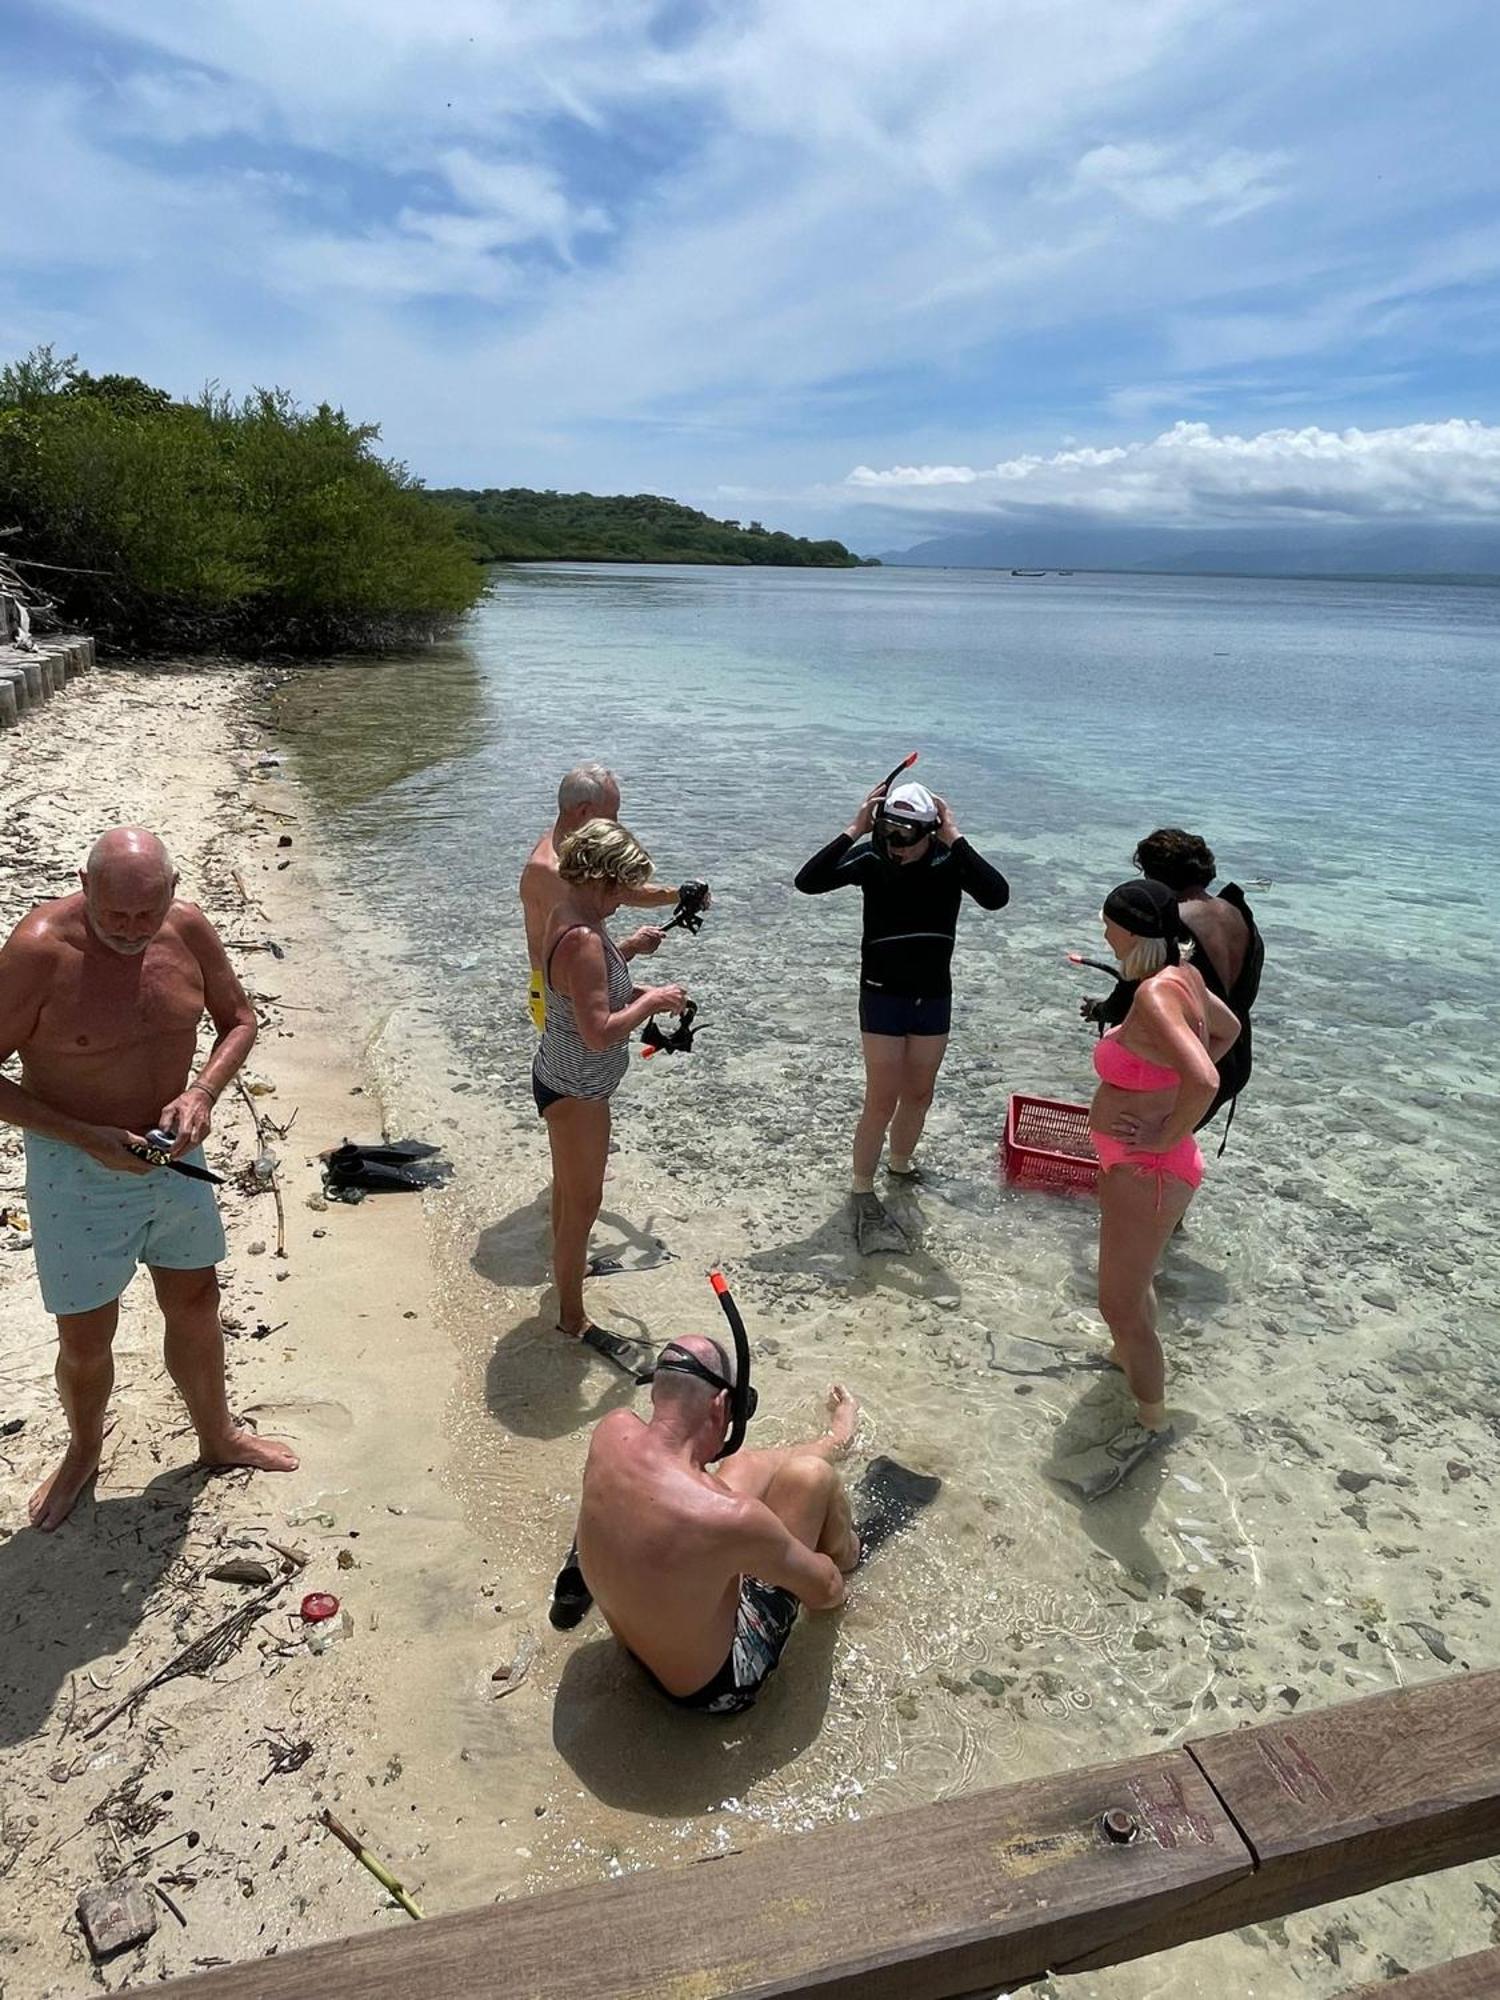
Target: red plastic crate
[(1046, 1145)]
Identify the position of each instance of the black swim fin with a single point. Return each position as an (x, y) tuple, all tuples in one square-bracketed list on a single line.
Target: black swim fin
[(396, 1153), (631, 1357), (572, 1600), (889, 1497), (630, 1259)]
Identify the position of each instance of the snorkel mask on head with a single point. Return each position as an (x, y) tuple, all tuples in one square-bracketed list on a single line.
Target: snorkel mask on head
[(743, 1400), (904, 818)]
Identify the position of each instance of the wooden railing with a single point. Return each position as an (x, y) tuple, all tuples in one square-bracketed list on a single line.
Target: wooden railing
[(951, 1901)]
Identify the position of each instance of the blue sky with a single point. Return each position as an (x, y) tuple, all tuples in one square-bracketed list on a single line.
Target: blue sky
[(854, 267)]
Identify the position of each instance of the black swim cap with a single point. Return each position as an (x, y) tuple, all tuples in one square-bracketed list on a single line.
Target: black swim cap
[(1146, 909)]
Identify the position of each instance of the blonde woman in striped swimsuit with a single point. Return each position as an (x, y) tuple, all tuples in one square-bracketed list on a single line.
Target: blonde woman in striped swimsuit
[(593, 1008)]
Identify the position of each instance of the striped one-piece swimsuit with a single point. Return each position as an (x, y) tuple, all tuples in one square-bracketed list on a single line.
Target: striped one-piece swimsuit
[(564, 1062)]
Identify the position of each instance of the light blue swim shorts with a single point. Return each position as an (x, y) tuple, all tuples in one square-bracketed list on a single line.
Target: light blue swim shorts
[(91, 1226)]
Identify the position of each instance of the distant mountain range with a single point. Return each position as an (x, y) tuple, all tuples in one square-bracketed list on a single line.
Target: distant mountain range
[(1380, 549)]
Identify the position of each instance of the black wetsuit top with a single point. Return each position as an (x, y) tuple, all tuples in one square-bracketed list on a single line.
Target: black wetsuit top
[(911, 908)]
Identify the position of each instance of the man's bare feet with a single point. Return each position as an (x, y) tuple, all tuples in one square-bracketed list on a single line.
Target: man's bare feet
[(55, 1499), (843, 1417), (245, 1448)]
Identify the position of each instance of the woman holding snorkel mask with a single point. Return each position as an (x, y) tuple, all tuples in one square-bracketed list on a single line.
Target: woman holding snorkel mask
[(904, 852)]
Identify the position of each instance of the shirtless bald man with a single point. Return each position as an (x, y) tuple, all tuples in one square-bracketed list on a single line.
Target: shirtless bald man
[(101, 994), (701, 1568), (589, 791)]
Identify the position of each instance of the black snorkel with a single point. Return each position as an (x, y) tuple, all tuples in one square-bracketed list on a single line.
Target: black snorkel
[(742, 1398), (877, 833)]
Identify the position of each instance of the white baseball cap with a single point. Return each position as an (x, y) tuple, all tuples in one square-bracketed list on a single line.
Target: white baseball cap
[(912, 802)]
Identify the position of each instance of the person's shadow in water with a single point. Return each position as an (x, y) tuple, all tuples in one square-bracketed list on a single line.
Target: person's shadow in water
[(541, 1384), (1116, 1522), (830, 1252), (76, 1595), (516, 1250), (632, 1749)]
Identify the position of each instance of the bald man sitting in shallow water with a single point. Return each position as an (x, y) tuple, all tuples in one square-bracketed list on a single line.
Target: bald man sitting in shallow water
[(101, 994), (701, 1568)]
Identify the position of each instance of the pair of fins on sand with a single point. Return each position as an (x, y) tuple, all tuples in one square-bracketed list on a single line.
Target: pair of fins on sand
[(888, 1499)]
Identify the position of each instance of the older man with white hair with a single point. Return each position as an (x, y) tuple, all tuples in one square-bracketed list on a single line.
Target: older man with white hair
[(587, 792), (101, 994)]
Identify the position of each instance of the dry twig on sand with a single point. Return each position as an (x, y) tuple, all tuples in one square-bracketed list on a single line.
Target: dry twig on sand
[(260, 1142), (201, 1657)]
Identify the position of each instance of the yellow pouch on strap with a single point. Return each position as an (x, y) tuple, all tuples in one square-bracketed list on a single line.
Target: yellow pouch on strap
[(536, 1000)]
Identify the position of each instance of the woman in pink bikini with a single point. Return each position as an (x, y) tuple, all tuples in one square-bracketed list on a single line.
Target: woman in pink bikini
[(1157, 1076)]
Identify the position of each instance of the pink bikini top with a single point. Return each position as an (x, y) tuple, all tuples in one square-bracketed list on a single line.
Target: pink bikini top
[(1114, 1063)]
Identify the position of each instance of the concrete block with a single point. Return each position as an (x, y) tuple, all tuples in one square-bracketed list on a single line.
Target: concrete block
[(10, 713), (115, 1915), (54, 669), (36, 684), (15, 678)]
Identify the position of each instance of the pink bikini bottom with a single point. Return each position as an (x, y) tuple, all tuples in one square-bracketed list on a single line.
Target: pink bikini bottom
[(1183, 1161)]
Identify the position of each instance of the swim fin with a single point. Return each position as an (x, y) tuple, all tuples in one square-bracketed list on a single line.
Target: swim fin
[(572, 1600), (1092, 1474), (889, 1497), (629, 1259), (631, 1357), (875, 1228)]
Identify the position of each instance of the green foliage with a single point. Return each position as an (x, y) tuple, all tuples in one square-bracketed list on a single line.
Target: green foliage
[(514, 524), (246, 526)]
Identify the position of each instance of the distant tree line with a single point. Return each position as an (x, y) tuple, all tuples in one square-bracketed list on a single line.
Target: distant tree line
[(516, 524), (245, 527)]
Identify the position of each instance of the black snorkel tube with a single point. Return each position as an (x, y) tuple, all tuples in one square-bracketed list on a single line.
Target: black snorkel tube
[(742, 1398), (877, 838)]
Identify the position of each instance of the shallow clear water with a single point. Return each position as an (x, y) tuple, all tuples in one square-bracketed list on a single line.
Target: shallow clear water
[(1334, 1305)]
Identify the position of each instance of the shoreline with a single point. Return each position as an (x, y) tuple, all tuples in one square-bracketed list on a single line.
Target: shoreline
[(451, 1443), (336, 1347)]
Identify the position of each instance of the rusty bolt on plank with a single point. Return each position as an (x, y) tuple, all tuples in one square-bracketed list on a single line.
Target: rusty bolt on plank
[(1119, 1826)]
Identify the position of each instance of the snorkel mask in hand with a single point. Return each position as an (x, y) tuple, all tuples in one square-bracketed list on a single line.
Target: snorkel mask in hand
[(692, 901), (677, 1041)]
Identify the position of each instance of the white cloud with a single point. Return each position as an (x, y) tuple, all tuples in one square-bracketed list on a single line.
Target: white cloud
[(742, 239), (1189, 474)]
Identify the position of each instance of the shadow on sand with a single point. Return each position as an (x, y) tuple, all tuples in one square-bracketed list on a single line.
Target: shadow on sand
[(73, 1597), (516, 1250), (1117, 1522), (829, 1252), (634, 1750), (541, 1384)]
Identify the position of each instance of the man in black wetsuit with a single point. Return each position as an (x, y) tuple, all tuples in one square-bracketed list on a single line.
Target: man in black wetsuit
[(1230, 951), (913, 870)]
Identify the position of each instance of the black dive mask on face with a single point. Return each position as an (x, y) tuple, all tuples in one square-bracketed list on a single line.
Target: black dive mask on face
[(743, 1400), (891, 831), (677, 1360)]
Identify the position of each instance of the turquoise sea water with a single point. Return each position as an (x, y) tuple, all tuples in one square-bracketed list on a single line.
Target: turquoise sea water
[(1334, 1308)]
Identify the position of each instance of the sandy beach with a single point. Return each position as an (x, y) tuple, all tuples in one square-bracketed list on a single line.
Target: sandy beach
[(403, 1346)]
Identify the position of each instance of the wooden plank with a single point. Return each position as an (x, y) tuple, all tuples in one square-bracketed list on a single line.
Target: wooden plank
[(1473, 1978), (1340, 1800), (935, 1903)]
